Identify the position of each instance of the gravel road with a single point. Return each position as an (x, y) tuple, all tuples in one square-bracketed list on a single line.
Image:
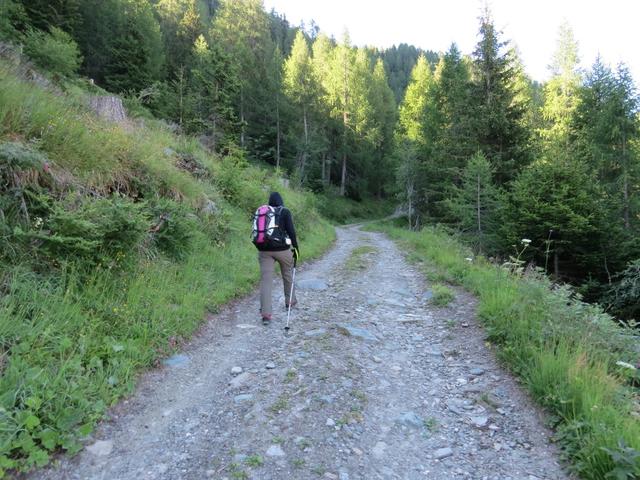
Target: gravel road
[(374, 382)]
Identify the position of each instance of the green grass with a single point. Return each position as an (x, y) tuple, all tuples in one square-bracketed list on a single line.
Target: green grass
[(74, 335), (564, 350), (442, 295), (254, 461), (359, 258), (345, 211)]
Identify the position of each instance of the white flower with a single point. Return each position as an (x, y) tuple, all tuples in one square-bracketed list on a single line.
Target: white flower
[(526, 241), (625, 365), (469, 259)]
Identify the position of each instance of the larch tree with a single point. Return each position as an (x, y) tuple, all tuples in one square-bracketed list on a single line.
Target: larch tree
[(301, 87), (561, 96)]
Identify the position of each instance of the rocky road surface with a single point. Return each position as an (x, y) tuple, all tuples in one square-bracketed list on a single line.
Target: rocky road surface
[(374, 382)]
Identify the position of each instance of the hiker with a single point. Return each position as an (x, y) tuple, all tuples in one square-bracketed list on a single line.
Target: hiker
[(280, 245)]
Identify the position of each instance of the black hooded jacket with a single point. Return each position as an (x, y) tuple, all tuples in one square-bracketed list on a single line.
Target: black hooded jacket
[(286, 222)]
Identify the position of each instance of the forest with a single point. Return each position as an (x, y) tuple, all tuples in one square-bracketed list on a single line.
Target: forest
[(467, 141), (545, 174)]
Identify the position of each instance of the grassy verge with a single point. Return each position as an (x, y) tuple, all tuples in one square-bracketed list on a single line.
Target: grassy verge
[(111, 254), (564, 350), (345, 211)]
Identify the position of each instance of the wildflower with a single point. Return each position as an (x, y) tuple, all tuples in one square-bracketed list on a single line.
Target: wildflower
[(625, 365), (526, 241)]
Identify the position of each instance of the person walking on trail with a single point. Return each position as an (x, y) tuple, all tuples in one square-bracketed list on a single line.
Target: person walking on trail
[(275, 237)]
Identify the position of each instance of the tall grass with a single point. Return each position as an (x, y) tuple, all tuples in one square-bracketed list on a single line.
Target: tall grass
[(564, 350)]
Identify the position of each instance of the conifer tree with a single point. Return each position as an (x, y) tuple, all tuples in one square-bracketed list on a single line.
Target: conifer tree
[(561, 96), (301, 87), (498, 116)]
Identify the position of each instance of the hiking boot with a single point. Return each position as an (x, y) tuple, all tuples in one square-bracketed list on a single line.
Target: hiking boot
[(293, 304), (266, 319)]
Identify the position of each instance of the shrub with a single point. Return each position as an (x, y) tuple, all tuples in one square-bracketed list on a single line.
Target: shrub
[(624, 295), (173, 228), (55, 51), (103, 230)]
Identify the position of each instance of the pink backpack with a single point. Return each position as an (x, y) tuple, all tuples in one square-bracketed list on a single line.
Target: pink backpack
[(266, 228)]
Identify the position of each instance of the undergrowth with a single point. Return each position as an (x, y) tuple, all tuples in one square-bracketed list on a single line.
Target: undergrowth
[(573, 357), (115, 241)]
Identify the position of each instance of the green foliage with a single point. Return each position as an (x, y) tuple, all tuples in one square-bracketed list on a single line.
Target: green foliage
[(173, 229), (55, 51), (93, 231), (476, 204), (563, 349), (558, 196), (345, 211), (12, 19), (498, 109), (623, 296)]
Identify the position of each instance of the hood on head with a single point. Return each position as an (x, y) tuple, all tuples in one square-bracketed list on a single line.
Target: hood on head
[(275, 200)]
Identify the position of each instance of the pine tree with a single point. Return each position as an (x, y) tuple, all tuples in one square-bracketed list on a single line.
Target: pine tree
[(241, 28), (476, 203), (498, 116), (418, 125), (454, 143), (561, 96), (606, 123), (563, 197)]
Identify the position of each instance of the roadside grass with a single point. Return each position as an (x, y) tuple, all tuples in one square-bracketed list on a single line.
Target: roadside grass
[(75, 333), (564, 350), (442, 295)]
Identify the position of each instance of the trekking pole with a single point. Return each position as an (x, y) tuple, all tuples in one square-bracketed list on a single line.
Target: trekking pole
[(293, 281)]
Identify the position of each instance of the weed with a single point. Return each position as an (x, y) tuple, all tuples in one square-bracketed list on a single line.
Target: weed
[(278, 440), (442, 295), (254, 461), (431, 424), (291, 375), (280, 405), (298, 462)]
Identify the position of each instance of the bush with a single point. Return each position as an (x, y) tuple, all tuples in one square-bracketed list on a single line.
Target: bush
[(104, 230), (56, 51), (173, 228), (624, 295)]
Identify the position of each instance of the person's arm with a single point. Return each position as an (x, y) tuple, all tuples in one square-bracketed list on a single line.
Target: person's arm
[(288, 227)]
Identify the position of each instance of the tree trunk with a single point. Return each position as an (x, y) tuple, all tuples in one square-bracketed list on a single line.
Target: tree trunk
[(278, 133), (343, 178), (345, 121), (625, 185), (305, 123), (242, 124), (478, 207), (324, 161)]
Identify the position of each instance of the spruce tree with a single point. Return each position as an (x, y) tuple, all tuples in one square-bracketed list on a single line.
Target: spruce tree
[(498, 116)]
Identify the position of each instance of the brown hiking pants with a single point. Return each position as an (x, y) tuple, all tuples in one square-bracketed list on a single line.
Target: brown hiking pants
[(267, 261)]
